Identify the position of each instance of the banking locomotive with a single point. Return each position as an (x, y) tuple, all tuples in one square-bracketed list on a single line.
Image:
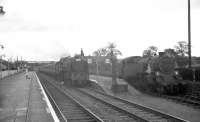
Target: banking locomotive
[(157, 73), (70, 71)]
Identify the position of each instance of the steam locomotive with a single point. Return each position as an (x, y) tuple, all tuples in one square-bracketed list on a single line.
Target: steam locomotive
[(70, 71), (155, 73)]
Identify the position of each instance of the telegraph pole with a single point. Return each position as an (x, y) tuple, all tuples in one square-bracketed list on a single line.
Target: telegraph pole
[(2, 47), (189, 35)]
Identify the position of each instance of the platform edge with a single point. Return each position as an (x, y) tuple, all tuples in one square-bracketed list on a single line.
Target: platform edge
[(53, 113)]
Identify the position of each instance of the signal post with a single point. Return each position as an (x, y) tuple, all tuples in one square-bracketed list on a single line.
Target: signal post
[(117, 87)]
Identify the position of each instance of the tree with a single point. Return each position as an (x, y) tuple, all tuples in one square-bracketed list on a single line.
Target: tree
[(147, 53), (181, 48), (108, 51), (181, 61), (111, 50), (77, 55), (100, 52), (150, 51), (170, 52)]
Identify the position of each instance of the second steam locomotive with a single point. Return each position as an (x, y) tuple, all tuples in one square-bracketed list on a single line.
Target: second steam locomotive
[(156, 73)]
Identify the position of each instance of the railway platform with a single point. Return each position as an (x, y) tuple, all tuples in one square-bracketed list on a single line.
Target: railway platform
[(22, 99), (106, 84)]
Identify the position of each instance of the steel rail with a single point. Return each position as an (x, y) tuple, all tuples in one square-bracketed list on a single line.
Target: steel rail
[(54, 103), (180, 99), (82, 107), (115, 107), (148, 109)]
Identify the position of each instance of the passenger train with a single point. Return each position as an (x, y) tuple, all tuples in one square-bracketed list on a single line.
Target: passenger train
[(71, 71)]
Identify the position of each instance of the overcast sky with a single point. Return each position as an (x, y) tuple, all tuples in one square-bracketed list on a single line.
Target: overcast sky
[(49, 29)]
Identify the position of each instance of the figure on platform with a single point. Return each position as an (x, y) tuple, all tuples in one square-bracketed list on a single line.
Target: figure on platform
[(27, 77), (82, 53), (26, 72)]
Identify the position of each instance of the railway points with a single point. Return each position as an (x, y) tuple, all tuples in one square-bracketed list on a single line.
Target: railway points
[(22, 100)]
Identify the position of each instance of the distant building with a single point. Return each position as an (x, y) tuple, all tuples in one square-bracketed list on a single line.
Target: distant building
[(3, 67), (100, 65)]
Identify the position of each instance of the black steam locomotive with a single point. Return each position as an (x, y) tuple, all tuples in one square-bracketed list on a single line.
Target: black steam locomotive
[(70, 71), (155, 73)]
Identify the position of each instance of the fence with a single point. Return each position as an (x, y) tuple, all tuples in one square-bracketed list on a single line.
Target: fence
[(7, 73)]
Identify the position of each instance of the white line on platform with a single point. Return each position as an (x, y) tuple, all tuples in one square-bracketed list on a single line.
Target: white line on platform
[(53, 113)]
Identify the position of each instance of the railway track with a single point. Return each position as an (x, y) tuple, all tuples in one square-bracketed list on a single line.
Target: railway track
[(185, 100), (106, 111), (67, 108), (141, 112), (113, 109)]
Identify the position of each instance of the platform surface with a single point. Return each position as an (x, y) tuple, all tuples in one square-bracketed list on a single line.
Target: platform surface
[(21, 100), (106, 83)]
